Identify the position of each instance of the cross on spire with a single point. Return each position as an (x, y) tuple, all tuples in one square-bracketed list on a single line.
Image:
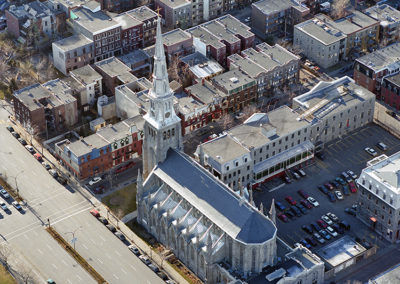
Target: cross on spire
[(158, 11)]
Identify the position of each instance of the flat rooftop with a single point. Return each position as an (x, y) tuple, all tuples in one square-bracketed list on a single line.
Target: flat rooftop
[(206, 37), (330, 97), (127, 21), (224, 149), (206, 92), (261, 58), (392, 275), (382, 58), (201, 66), (276, 6), (277, 53), (31, 96), (86, 75), (340, 251), (395, 79), (235, 26), (188, 105), (112, 66), (233, 79), (386, 14), (320, 31), (93, 22), (73, 42), (61, 92), (175, 36), (142, 13), (175, 3), (133, 57), (219, 30)]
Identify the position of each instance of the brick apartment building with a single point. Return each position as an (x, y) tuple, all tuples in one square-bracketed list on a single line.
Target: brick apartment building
[(222, 37), (177, 43), (370, 69), (390, 91), (47, 107), (108, 148)]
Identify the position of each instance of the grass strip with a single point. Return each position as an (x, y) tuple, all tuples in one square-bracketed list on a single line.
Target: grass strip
[(6, 277), (76, 255)]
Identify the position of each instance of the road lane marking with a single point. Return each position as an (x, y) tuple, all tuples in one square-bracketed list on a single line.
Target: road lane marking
[(101, 237), (117, 252), (49, 247), (134, 268), (79, 277), (84, 246), (100, 260), (54, 266), (69, 281), (65, 263), (277, 187), (39, 251), (124, 271), (115, 276), (76, 213), (108, 255)]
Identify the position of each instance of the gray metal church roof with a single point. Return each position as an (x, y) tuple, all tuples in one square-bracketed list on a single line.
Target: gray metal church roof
[(217, 202)]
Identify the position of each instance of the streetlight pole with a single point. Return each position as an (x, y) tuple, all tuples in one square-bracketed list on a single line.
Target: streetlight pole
[(73, 235)]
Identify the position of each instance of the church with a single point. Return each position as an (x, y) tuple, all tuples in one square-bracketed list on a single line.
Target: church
[(214, 231)]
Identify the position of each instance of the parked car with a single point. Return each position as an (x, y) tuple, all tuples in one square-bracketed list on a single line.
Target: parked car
[(94, 180), (22, 141), (296, 175), (344, 225), (280, 206), (335, 184), (324, 234), (53, 173), (111, 228), (120, 236), (145, 259), (302, 193), (331, 231), (346, 190), (4, 193), (338, 229), (10, 128), (371, 151), (290, 200), (382, 146), (352, 174), (331, 197), (345, 176), (247, 20), (313, 201), (338, 195), (327, 220), (16, 205), (103, 220), (15, 134), (3, 206), (283, 217), (340, 180), (311, 241), (62, 180), (329, 186), (296, 211), (307, 229), (305, 243), (332, 216), (353, 187), (323, 189), (30, 149), (322, 224), (350, 211), (306, 204), (134, 249), (154, 268), (320, 156), (315, 227), (95, 213), (302, 208), (286, 179), (46, 165), (289, 213), (302, 172), (319, 238), (38, 157)]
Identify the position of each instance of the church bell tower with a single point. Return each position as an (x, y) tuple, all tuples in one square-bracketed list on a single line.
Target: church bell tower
[(162, 127)]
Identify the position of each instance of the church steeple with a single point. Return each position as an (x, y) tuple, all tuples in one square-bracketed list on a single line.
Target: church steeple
[(160, 76), (162, 128)]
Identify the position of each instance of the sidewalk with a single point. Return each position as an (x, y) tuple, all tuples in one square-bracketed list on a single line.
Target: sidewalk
[(170, 271), (133, 238)]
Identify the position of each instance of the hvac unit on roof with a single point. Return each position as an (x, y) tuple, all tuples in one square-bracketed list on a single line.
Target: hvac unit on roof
[(234, 79)]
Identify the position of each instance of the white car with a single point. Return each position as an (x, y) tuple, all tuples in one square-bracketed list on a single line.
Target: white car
[(3, 206), (145, 259), (313, 201), (30, 149), (331, 231), (371, 151), (17, 205), (339, 195), (327, 220), (247, 20), (94, 180), (352, 174), (4, 193)]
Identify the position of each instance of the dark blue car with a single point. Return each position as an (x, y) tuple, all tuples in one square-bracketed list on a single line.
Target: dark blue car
[(280, 206), (305, 243), (331, 197), (323, 189)]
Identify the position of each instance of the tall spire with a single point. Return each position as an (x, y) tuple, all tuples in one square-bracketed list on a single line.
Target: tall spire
[(160, 75)]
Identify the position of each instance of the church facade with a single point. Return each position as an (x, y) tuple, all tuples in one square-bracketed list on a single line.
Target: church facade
[(214, 231)]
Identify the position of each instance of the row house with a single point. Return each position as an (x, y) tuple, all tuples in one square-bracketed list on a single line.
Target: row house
[(271, 66), (222, 37), (177, 43), (389, 22), (131, 32), (46, 107), (390, 91), (200, 67), (42, 18), (370, 69), (110, 147), (193, 113), (149, 19)]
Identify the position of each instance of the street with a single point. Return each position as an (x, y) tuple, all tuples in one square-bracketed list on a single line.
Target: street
[(68, 211)]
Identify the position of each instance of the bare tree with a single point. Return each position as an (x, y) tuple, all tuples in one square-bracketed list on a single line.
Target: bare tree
[(226, 121), (339, 8), (5, 253), (179, 72), (249, 110), (26, 273), (33, 130)]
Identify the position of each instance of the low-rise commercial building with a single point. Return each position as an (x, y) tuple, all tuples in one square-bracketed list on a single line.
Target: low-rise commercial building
[(200, 67), (109, 147), (370, 69), (379, 198), (277, 17), (47, 107)]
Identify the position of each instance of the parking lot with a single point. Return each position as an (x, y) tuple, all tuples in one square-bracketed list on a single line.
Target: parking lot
[(342, 154)]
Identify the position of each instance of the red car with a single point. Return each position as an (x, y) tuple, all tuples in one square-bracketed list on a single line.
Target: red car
[(303, 194), (283, 217), (353, 187), (290, 200), (306, 204), (38, 157), (322, 224), (95, 213), (329, 186)]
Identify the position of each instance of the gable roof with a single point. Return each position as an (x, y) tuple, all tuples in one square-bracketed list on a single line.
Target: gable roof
[(214, 200)]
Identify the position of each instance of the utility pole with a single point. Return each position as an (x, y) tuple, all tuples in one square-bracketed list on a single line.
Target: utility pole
[(73, 235)]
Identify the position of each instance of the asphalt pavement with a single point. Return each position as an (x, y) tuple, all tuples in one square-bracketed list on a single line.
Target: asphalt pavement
[(68, 212)]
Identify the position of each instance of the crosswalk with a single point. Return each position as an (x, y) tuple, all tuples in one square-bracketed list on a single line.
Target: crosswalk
[(2, 121)]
